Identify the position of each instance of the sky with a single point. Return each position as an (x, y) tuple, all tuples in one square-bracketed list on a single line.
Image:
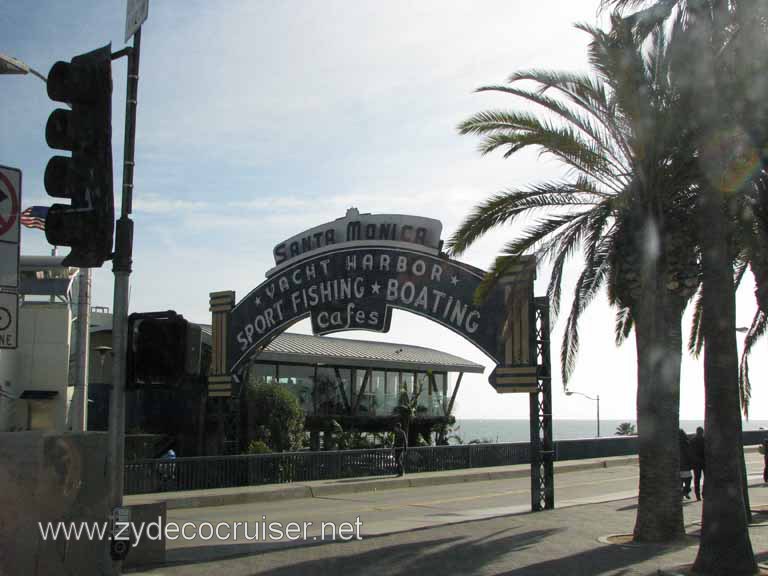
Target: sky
[(258, 120)]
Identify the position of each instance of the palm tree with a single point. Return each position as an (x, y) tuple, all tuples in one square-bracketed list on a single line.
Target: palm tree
[(407, 409), (624, 204), (721, 51), (625, 429)]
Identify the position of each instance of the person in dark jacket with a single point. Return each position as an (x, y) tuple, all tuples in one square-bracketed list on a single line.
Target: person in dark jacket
[(698, 460), (765, 461), (685, 464), (400, 446)]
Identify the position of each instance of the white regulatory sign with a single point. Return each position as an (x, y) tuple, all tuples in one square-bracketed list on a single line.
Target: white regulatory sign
[(135, 15), (9, 314), (10, 204), (10, 217)]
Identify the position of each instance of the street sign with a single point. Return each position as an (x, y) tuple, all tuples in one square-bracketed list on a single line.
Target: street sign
[(135, 15), (512, 379), (10, 215), (9, 314), (10, 201)]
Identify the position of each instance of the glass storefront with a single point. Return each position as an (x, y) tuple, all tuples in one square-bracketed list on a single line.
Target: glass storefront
[(331, 390)]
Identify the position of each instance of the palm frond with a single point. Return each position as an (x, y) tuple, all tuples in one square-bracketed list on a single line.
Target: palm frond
[(504, 207), (501, 265), (584, 121), (570, 345), (534, 235), (756, 330), (696, 336), (560, 249), (514, 131), (585, 92), (646, 19), (740, 267), (624, 324), (494, 120)]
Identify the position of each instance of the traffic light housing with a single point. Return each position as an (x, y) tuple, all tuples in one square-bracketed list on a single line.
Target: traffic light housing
[(163, 349), (85, 177)]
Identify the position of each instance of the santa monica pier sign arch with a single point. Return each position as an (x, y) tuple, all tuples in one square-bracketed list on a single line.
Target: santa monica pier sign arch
[(349, 274)]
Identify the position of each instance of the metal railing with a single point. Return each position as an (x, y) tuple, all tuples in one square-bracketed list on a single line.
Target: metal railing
[(197, 473)]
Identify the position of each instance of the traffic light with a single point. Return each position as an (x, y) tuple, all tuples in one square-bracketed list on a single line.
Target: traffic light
[(163, 348), (85, 177)]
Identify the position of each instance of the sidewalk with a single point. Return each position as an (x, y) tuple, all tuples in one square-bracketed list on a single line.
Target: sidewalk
[(325, 488), (566, 541)]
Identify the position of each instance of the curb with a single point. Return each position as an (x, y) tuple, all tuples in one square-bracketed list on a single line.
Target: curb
[(250, 494)]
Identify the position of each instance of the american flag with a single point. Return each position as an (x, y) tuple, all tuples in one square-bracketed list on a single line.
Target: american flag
[(34, 217)]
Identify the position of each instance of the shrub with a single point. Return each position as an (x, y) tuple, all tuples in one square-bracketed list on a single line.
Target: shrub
[(274, 417), (258, 447)]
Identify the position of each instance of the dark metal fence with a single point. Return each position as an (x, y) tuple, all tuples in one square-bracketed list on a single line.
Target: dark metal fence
[(162, 475)]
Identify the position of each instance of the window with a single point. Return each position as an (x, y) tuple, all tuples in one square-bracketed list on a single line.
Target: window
[(300, 380), (421, 391), (392, 391), (377, 395), (41, 414), (406, 382), (333, 387), (262, 373)]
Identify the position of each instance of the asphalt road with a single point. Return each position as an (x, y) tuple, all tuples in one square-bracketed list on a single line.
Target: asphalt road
[(389, 511)]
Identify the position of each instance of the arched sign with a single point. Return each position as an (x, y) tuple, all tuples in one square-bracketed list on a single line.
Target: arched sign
[(356, 289)]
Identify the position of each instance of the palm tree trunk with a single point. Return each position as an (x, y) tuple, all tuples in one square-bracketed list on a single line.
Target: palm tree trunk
[(659, 349), (725, 546)]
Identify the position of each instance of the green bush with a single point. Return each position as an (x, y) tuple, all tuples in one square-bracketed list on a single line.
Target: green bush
[(258, 447), (274, 417)]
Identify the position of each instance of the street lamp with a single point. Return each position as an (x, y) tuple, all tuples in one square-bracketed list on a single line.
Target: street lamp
[(11, 65), (595, 399)]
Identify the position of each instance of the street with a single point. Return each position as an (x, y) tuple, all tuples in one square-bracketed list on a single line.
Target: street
[(390, 511)]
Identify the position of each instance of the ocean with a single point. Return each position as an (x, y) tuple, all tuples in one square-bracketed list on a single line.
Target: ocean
[(502, 430)]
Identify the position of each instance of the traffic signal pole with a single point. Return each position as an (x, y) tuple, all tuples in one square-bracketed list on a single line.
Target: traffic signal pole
[(122, 261)]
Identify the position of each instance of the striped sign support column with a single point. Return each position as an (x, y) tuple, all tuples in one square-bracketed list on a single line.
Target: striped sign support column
[(542, 442), (219, 380), (527, 369)]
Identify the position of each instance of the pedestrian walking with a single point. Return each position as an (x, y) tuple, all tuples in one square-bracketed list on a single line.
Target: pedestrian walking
[(685, 464), (168, 470), (400, 445), (698, 460), (765, 461)]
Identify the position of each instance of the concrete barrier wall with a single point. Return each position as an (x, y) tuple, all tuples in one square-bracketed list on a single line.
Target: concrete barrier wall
[(47, 477), (595, 447), (624, 445)]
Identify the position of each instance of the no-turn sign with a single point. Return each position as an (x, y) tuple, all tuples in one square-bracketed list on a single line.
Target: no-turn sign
[(10, 202)]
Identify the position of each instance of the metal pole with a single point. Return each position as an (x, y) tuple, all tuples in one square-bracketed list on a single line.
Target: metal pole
[(80, 399), (122, 270), (36, 73), (598, 415)]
